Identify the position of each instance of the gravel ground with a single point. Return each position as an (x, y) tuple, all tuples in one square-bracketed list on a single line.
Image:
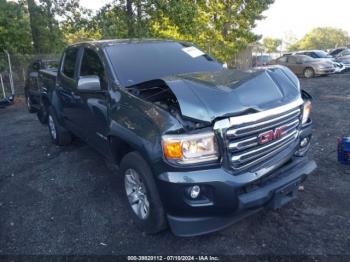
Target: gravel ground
[(66, 201)]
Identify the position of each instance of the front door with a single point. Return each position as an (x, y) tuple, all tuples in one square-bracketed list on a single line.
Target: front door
[(93, 118)]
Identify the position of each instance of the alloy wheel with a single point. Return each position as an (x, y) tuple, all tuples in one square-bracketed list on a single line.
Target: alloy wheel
[(136, 193), (29, 104), (309, 73), (52, 127)]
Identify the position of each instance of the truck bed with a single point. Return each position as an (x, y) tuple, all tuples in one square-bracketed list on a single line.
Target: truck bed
[(52, 72)]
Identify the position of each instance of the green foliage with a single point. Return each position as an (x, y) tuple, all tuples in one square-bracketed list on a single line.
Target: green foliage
[(221, 27), (322, 38), (271, 44), (46, 34), (111, 22), (14, 27), (53, 22)]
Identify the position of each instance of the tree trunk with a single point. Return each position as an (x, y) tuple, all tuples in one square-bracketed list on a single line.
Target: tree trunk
[(130, 17), (51, 22), (227, 25), (32, 9), (139, 17)]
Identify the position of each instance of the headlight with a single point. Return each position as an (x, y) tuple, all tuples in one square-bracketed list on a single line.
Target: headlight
[(306, 111), (190, 149)]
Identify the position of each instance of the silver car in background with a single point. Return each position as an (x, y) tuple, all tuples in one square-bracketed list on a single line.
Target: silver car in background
[(305, 66), (343, 57), (322, 55)]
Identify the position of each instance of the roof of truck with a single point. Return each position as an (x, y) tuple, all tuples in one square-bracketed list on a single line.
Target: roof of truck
[(111, 42)]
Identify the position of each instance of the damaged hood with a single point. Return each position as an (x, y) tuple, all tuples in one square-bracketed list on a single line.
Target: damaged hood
[(210, 95)]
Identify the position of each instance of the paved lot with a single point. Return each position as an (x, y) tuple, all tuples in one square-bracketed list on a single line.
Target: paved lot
[(66, 201)]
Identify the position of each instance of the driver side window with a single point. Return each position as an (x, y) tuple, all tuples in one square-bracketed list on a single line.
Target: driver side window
[(91, 65)]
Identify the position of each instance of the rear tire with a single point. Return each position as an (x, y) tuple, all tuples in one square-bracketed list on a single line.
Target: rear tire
[(29, 104), (59, 135), (141, 194), (309, 72)]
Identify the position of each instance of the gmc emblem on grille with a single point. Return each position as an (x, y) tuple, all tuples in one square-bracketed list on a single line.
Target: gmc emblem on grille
[(271, 135)]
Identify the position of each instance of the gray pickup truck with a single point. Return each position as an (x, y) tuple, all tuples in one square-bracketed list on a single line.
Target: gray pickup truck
[(199, 146)]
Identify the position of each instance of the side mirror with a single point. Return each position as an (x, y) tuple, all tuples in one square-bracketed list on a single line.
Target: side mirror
[(89, 84)]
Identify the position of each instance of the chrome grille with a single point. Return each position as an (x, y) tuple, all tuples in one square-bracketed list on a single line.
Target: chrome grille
[(242, 137)]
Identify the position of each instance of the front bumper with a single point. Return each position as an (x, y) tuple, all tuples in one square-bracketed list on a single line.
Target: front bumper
[(325, 71), (230, 197), (347, 66), (248, 203)]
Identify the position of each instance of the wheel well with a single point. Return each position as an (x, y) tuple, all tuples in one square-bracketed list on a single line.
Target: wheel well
[(309, 67), (119, 148)]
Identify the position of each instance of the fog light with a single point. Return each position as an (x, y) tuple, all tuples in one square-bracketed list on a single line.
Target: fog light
[(303, 146), (304, 142), (195, 191)]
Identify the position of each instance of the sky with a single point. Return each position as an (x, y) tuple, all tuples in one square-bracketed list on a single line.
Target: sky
[(300, 16), (286, 17), (93, 4)]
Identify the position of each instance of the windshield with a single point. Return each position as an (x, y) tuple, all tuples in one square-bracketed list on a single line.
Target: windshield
[(322, 54), (139, 62)]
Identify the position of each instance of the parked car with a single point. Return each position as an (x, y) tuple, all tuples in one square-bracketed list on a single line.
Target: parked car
[(336, 51), (322, 55), (261, 60), (344, 58), (305, 66), (31, 88), (199, 146)]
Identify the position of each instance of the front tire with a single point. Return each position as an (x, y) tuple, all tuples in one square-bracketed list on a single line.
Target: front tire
[(309, 72), (43, 114), (141, 194), (59, 135)]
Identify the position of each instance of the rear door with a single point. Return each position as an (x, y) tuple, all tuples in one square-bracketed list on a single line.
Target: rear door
[(295, 65)]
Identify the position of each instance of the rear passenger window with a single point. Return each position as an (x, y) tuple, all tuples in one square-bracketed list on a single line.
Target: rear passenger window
[(69, 62)]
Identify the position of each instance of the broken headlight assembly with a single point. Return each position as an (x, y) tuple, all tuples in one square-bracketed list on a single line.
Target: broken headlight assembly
[(190, 149), (306, 112)]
